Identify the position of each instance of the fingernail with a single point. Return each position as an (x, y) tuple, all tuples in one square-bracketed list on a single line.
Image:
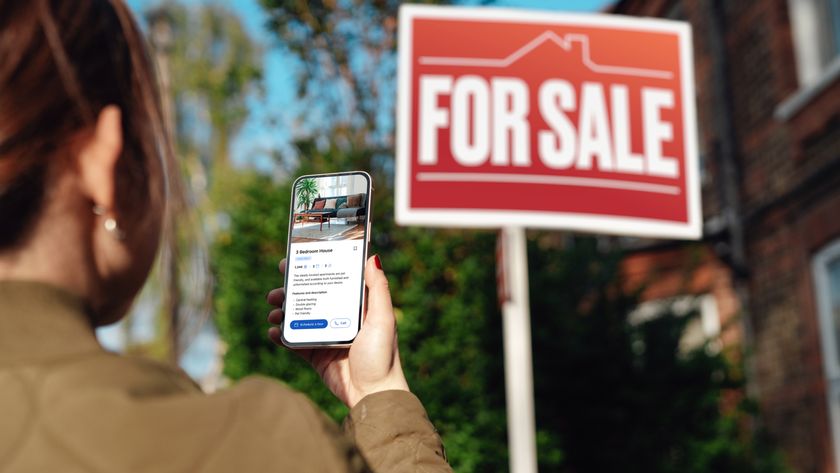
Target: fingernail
[(377, 261)]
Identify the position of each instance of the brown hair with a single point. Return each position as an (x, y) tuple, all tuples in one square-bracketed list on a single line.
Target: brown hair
[(61, 63)]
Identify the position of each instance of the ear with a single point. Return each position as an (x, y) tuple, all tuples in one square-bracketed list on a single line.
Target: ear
[(98, 157)]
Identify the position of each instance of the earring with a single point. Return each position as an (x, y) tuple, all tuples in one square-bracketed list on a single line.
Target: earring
[(110, 222)]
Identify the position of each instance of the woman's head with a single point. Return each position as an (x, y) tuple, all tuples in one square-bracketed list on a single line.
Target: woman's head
[(81, 127)]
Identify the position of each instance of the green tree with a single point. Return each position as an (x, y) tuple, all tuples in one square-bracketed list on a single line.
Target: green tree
[(451, 340), (209, 66), (215, 67)]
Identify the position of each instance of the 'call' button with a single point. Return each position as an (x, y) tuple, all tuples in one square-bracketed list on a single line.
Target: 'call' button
[(306, 324), (340, 323)]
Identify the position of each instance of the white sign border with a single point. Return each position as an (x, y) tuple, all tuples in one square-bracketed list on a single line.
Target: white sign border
[(474, 218)]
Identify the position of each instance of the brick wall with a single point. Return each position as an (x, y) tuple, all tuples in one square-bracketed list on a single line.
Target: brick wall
[(790, 195)]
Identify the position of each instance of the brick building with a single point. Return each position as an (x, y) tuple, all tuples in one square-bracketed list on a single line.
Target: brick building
[(768, 96)]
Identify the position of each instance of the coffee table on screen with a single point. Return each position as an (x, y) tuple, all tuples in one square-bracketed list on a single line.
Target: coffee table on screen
[(313, 217)]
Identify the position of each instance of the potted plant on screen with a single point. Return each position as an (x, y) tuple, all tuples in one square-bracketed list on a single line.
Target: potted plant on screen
[(306, 190)]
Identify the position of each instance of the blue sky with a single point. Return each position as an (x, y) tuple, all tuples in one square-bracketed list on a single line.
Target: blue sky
[(271, 126)]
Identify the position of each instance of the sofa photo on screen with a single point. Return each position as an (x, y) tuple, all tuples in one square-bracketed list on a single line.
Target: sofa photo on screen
[(350, 207)]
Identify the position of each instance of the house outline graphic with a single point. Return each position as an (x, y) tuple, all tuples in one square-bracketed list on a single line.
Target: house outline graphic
[(564, 42)]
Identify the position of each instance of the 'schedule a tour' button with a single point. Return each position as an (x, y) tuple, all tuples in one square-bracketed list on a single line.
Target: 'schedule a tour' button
[(305, 324), (340, 323)]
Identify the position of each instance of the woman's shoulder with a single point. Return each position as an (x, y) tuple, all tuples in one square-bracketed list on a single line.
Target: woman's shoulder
[(135, 380), (112, 411), (102, 371)]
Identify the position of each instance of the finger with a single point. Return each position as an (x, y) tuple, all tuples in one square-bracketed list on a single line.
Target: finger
[(274, 335), (276, 296), (379, 310), (282, 265), (275, 317)]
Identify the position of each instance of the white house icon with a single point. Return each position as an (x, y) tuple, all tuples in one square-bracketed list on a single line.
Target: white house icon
[(565, 42)]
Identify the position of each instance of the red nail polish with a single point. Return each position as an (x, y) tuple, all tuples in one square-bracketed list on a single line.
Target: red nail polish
[(377, 262)]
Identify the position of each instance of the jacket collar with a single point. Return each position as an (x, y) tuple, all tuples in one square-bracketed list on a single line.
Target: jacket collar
[(39, 322)]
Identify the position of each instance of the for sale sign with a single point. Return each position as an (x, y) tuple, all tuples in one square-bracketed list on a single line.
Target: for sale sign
[(580, 122)]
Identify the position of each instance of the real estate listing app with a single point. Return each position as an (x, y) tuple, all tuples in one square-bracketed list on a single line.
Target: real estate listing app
[(326, 257)]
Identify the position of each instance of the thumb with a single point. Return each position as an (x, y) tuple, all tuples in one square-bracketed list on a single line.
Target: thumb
[(379, 310)]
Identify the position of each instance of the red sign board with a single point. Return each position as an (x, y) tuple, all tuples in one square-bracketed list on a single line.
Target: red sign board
[(580, 122)]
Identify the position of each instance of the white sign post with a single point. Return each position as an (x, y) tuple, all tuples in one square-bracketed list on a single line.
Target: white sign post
[(512, 119), (519, 380)]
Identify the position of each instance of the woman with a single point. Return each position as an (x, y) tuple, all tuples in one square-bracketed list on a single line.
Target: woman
[(83, 167)]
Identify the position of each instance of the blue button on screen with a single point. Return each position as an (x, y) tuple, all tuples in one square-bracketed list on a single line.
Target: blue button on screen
[(305, 324)]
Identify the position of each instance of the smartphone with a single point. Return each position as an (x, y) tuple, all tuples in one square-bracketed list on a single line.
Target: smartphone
[(329, 231)]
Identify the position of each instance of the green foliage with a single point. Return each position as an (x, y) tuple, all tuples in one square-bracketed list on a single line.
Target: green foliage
[(306, 189), (450, 337), (215, 65)]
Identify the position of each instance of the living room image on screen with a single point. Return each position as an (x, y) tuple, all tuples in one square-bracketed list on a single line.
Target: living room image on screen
[(330, 208)]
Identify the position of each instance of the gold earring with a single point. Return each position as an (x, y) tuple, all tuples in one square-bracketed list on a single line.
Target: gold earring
[(110, 222)]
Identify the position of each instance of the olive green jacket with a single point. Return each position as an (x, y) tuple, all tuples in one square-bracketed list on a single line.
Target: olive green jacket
[(68, 405)]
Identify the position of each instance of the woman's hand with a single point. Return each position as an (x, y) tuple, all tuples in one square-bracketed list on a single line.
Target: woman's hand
[(372, 363)]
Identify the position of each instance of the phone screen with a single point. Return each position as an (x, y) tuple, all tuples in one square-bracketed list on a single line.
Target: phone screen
[(328, 235)]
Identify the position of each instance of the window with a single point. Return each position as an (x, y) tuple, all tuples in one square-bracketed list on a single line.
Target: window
[(826, 272), (826, 269), (816, 34), (703, 329), (335, 185), (832, 295), (816, 40)]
